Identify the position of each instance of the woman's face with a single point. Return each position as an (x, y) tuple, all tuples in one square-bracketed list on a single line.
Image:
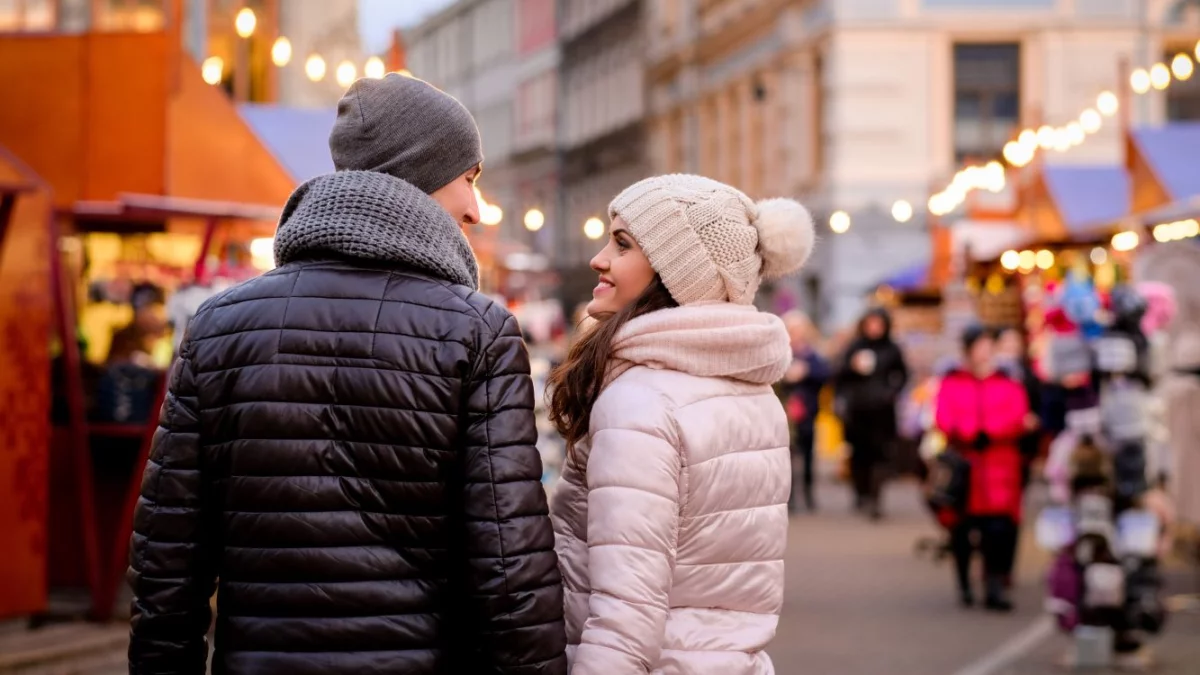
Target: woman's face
[(1010, 344), (981, 353), (624, 272), (874, 328)]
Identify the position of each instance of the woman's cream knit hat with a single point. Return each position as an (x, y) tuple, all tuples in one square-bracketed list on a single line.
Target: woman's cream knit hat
[(709, 242)]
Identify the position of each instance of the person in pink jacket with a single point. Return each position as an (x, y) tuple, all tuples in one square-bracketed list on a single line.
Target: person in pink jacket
[(984, 413), (671, 517)]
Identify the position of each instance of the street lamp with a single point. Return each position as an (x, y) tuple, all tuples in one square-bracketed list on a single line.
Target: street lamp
[(245, 22), (534, 220), (593, 228)]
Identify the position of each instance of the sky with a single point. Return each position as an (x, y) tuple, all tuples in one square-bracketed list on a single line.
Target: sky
[(377, 19)]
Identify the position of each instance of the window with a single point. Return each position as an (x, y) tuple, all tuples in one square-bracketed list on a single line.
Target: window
[(987, 98), (1183, 96), (28, 15)]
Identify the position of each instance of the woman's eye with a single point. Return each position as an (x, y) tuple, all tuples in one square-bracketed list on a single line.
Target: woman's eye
[(622, 244)]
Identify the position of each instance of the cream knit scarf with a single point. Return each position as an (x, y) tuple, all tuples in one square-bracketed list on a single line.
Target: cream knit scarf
[(721, 339)]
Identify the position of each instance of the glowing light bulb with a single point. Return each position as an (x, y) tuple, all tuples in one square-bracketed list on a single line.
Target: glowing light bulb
[(1091, 121), (839, 222), (245, 22), (1011, 260), (1044, 259), (347, 72), (1075, 133), (1160, 76), (593, 228), (375, 69), (281, 51), (1182, 66), (1107, 103), (1045, 137), (1140, 81), (314, 67), (902, 211), (534, 220), (212, 69)]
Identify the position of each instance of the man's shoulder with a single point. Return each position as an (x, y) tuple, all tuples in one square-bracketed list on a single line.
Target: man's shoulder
[(340, 281)]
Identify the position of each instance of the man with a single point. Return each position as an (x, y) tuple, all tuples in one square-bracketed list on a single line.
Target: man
[(348, 442)]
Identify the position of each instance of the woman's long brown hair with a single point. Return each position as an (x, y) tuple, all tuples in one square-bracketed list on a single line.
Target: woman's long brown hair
[(575, 385)]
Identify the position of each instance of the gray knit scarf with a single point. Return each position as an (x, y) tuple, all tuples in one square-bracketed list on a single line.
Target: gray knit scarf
[(377, 217)]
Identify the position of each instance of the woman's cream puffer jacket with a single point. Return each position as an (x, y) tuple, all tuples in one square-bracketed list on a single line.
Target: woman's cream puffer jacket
[(671, 541)]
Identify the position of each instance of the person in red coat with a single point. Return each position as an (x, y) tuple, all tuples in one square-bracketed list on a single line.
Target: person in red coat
[(983, 414)]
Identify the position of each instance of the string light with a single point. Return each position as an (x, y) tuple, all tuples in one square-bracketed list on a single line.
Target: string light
[(1160, 76), (314, 67), (245, 22), (347, 72), (1028, 260), (1090, 121), (1011, 260), (1125, 241), (839, 222), (1098, 255), (534, 220), (1140, 81), (1045, 136), (212, 69), (1182, 67), (1075, 133), (1044, 259), (902, 211), (593, 228), (1107, 103), (281, 51), (375, 69)]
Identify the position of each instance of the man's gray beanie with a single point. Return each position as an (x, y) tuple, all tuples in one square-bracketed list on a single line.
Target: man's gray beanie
[(407, 128)]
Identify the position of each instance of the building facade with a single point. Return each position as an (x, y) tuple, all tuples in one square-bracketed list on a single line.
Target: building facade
[(601, 124), (854, 105), (469, 50)]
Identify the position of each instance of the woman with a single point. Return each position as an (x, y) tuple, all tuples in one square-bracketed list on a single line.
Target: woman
[(870, 379), (671, 516), (983, 414), (802, 385)]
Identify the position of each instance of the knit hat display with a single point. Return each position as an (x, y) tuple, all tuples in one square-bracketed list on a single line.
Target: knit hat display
[(406, 128), (709, 242)]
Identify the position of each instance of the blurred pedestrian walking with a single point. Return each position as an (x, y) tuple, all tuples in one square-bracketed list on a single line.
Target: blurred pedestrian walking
[(870, 377), (671, 515), (348, 442), (983, 414), (801, 388)]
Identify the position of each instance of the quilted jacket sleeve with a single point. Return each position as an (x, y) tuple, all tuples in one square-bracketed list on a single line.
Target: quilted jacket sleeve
[(514, 589), (173, 549), (633, 474)]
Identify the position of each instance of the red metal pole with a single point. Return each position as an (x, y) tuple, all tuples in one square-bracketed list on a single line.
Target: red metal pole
[(199, 271), (6, 208), (80, 447)]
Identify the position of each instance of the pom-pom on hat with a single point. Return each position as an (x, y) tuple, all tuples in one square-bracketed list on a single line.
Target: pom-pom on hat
[(709, 242)]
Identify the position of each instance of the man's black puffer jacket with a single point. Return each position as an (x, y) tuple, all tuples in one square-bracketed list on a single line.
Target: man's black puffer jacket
[(349, 449)]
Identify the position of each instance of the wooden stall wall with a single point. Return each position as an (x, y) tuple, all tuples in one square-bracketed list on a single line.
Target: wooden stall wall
[(25, 319)]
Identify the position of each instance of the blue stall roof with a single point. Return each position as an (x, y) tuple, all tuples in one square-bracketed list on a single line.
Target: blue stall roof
[(911, 278), (1089, 198), (297, 137), (1172, 151)]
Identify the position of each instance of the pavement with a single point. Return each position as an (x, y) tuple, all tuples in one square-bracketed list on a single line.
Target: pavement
[(859, 601)]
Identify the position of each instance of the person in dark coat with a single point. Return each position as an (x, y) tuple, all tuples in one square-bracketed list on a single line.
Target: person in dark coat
[(870, 378), (801, 389), (347, 449), (1012, 356)]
